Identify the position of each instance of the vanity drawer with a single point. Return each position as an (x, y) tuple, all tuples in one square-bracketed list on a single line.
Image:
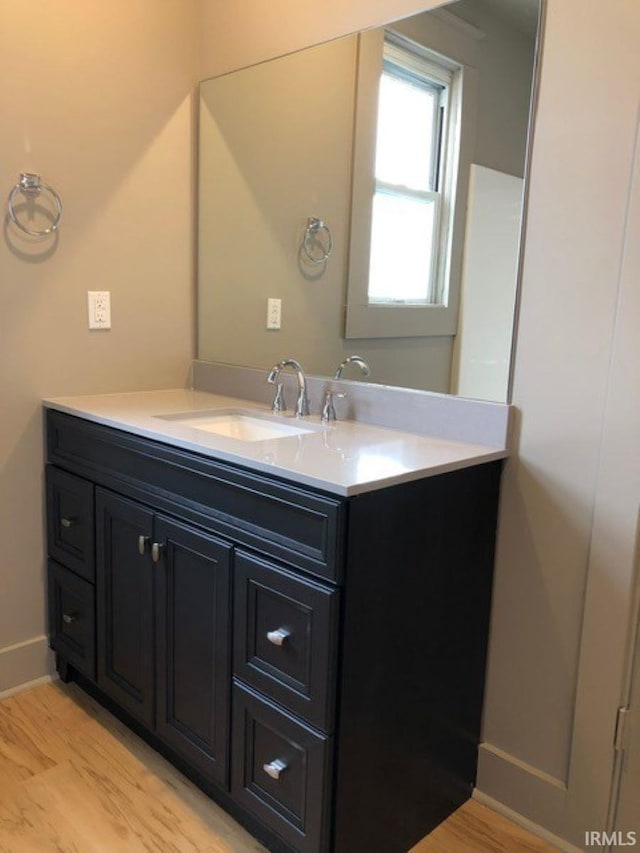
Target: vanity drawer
[(281, 771), (72, 618), (70, 528), (292, 524), (285, 636)]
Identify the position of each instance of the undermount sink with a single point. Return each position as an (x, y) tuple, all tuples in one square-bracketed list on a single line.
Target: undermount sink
[(243, 425)]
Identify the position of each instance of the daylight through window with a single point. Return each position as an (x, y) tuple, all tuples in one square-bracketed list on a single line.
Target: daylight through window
[(407, 219)]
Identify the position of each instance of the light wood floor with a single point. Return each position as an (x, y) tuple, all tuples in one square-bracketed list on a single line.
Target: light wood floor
[(73, 779)]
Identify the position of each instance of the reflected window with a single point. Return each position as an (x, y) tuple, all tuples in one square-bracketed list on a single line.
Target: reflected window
[(408, 220)]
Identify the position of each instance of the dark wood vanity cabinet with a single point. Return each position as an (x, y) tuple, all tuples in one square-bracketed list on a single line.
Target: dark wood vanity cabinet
[(315, 663)]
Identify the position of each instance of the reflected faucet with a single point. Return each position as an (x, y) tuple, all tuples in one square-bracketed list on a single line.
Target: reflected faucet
[(353, 359), (278, 405)]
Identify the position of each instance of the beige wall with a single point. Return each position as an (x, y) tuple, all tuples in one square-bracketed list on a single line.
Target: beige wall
[(98, 98), (234, 37), (275, 148)]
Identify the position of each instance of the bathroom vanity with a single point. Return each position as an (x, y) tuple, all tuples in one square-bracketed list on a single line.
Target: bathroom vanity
[(298, 623)]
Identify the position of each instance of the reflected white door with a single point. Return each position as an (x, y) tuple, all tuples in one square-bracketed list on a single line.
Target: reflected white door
[(482, 347)]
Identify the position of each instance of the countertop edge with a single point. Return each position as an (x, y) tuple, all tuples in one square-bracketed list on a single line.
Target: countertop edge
[(291, 476)]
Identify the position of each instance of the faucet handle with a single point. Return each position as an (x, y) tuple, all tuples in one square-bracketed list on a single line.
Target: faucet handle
[(278, 404), (328, 410)]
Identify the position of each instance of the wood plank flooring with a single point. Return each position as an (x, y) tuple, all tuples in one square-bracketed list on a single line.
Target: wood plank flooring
[(73, 779), (476, 829)]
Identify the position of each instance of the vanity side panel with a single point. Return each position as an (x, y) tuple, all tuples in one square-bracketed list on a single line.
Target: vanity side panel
[(416, 620)]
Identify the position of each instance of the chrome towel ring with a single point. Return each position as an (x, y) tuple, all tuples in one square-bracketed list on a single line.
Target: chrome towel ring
[(31, 186), (314, 248)]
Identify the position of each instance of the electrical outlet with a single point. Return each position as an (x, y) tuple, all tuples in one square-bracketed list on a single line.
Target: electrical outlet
[(274, 313), (99, 303)]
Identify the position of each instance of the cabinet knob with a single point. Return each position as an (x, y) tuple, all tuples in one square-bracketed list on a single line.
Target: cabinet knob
[(156, 551), (143, 541), (69, 618), (275, 768), (278, 637), (67, 522)]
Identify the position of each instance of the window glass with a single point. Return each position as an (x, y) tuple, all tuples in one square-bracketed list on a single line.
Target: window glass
[(407, 201), (407, 116), (402, 254)]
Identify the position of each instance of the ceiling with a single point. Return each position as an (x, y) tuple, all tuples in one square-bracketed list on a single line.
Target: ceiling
[(519, 14), (522, 14)]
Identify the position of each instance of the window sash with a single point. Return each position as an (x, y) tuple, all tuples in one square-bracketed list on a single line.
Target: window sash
[(438, 116), (411, 69), (363, 318), (428, 196)]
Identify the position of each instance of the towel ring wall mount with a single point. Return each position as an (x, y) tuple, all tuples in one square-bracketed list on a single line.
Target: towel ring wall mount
[(31, 186), (317, 248)]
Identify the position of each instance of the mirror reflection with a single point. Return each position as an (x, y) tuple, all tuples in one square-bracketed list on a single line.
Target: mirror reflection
[(373, 185)]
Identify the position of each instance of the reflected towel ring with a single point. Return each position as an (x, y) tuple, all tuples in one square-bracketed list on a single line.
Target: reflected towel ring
[(314, 249), (31, 186)]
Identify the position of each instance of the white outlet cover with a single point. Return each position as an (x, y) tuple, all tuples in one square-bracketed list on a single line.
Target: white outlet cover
[(99, 308), (274, 313)]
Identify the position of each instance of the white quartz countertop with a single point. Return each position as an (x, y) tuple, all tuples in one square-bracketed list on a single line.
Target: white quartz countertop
[(346, 458)]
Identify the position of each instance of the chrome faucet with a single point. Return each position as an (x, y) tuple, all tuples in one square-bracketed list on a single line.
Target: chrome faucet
[(353, 359), (279, 405)]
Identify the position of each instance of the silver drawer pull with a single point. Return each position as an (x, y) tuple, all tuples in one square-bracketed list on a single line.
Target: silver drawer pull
[(143, 541), (156, 552), (278, 636), (275, 768), (67, 522), (69, 618)]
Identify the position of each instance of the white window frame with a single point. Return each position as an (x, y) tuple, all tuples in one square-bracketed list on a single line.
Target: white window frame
[(438, 79), (375, 319)]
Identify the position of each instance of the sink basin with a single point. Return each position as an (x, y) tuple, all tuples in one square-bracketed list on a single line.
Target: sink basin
[(243, 425)]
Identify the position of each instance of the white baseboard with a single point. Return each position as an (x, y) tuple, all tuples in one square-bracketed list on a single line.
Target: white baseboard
[(29, 685), (525, 823), (526, 790), (25, 663)]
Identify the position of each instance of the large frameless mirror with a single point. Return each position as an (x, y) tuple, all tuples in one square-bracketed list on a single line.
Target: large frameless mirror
[(374, 186)]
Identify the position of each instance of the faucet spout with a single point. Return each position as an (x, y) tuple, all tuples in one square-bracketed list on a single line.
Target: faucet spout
[(302, 403), (353, 359)]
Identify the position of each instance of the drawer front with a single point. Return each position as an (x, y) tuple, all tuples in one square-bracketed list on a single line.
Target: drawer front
[(286, 522), (70, 530), (281, 771), (285, 636), (72, 619)]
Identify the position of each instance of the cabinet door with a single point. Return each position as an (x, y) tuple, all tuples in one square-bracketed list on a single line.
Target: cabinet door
[(124, 604), (192, 620)]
